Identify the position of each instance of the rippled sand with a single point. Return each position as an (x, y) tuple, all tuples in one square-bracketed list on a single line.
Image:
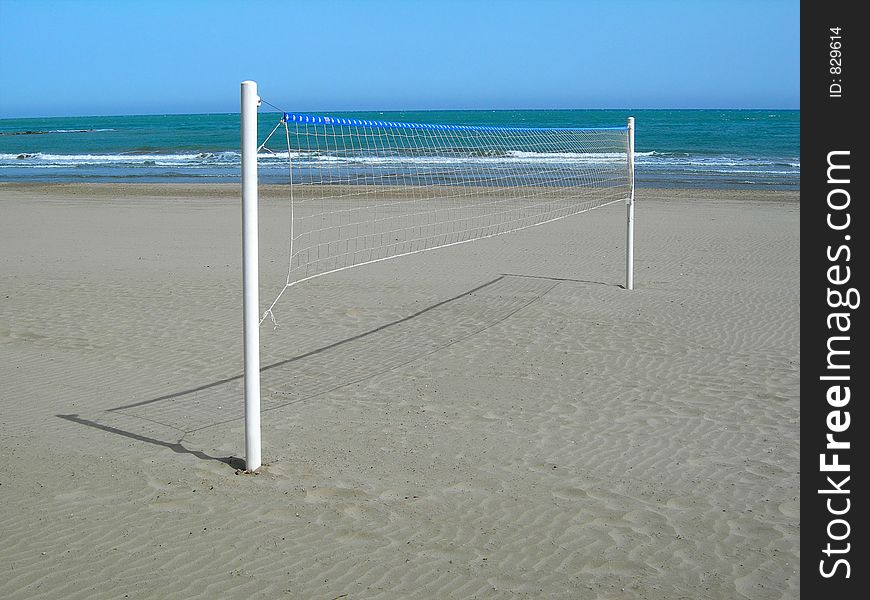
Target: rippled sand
[(494, 420)]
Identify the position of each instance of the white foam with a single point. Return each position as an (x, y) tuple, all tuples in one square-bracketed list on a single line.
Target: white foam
[(64, 160), (199, 161)]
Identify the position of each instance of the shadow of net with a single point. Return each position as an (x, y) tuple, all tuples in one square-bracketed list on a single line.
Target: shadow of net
[(167, 419)]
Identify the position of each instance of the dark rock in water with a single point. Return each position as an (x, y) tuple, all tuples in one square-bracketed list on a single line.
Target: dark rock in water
[(23, 132)]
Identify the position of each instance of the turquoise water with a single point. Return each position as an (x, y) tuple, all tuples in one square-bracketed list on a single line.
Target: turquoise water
[(675, 148)]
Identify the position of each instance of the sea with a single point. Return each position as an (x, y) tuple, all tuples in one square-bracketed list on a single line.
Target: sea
[(731, 149)]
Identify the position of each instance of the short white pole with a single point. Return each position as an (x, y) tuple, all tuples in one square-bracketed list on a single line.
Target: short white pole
[(629, 236), (250, 275)]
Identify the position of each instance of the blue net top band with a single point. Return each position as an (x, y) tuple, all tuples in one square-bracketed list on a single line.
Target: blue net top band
[(345, 122)]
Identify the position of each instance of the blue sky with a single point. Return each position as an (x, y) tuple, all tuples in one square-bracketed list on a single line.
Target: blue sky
[(79, 57)]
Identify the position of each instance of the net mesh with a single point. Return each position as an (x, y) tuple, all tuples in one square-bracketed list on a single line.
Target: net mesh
[(366, 191)]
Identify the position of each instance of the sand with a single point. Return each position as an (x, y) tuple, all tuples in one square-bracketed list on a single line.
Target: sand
[(499, 419)]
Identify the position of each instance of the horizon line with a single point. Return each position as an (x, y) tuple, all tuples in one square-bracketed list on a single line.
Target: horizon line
[(403, 110)]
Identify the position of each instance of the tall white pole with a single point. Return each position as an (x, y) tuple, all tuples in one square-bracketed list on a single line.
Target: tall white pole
[(629, 236), (250, 275)]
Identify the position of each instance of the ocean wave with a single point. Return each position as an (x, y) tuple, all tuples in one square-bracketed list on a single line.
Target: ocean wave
[(48, 131), (721, 161), (100, 130), (42, 159), (230, 161), (455, 157)]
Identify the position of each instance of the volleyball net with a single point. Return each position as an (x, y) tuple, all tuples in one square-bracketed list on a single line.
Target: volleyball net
[(363, 191)]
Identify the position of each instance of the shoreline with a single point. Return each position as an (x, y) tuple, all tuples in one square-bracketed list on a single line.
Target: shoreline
[(225, 190)]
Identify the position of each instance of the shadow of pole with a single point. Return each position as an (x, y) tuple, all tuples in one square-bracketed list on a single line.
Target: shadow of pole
[(177, 447)]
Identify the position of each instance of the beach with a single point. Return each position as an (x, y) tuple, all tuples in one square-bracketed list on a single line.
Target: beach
[(497, 419)]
